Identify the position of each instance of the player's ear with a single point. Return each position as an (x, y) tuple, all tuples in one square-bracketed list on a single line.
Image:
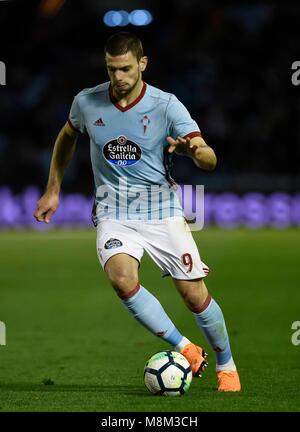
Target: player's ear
[(143, 63)]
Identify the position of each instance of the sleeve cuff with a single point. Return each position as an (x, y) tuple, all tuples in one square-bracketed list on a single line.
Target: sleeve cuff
[(193, 135), (73, 127)]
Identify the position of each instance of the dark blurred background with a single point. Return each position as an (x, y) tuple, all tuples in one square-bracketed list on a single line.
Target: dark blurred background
[(230, 65)]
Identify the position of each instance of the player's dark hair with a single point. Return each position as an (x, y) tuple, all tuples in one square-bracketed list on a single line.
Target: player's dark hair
[(123, 42)]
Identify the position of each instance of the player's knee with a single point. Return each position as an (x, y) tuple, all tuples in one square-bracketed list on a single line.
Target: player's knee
[(193, 300), (195, 295), (123, 282)]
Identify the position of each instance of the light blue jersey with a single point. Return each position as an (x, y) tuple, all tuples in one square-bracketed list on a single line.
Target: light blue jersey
[(128, 147)]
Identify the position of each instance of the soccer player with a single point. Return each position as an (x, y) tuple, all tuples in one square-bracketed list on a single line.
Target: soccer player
[(134, 128)]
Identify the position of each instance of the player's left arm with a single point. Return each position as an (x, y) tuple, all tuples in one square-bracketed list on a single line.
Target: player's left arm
[(196, 148)]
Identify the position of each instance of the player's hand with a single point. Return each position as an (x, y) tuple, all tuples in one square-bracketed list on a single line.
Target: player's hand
[(181, 146), (46, 207)]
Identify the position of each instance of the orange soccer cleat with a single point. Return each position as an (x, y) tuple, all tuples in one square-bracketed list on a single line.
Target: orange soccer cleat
[(196, 356), (228, 381)]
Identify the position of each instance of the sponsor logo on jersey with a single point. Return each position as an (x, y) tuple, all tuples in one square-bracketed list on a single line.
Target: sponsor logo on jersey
[(113, 243), (99, 122), (122, 151)]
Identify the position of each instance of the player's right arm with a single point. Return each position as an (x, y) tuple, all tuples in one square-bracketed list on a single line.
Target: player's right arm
[(63, 151)]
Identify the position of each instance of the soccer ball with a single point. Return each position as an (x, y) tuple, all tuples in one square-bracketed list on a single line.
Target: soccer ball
[(168, 373)]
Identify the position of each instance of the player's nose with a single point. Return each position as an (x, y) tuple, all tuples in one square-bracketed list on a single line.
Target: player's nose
[(118, 76)]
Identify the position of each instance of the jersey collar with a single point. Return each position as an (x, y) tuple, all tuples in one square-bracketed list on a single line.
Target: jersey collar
[(132, 104)]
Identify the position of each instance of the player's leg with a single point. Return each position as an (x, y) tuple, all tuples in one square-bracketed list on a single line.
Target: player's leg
[(120, 257), (162, 239), (122, 272), (173, 248), (210, 319)]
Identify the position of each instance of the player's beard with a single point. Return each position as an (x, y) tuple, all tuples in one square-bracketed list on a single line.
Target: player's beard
[(121, 92)]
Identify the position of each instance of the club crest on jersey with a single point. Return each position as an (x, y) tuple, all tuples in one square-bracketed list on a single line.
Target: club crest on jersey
[(113, 243), (122, 152), (145, 120)]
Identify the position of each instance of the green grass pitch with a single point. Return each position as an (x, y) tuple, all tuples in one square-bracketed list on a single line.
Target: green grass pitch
[(72, 346)]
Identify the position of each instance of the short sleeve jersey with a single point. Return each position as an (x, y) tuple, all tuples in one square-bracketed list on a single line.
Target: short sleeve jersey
[(128, 147)]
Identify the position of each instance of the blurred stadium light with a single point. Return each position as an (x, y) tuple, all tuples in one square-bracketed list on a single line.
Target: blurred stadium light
[(140, 17), (122, 18), (50, 7)]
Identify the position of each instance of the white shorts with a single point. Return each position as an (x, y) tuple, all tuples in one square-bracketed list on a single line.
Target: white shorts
[(168, 242)]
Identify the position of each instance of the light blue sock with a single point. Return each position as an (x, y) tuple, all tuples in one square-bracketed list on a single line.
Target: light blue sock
[(211, 321), (149, 312)]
